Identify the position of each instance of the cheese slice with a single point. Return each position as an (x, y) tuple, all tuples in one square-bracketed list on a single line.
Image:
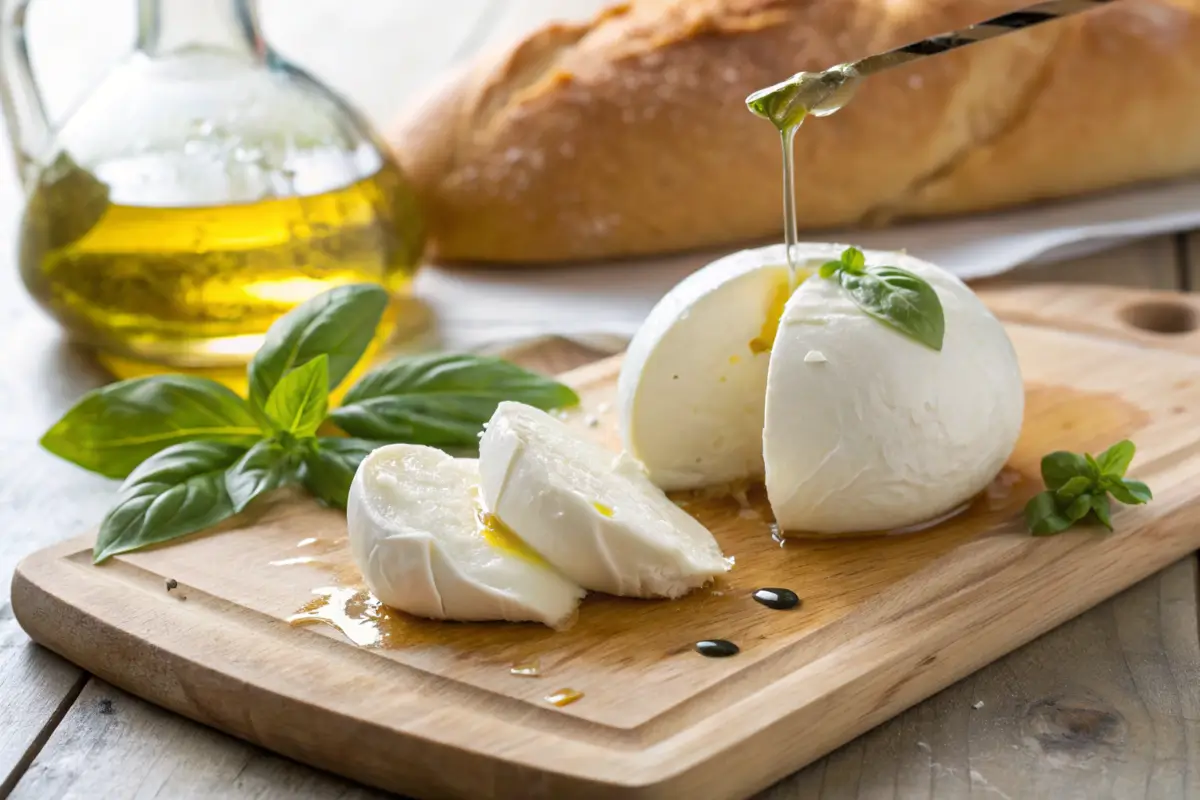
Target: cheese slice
[(591, 513), (425, 546)]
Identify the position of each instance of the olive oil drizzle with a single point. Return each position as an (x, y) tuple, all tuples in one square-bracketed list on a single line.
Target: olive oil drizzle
[(791, 236)]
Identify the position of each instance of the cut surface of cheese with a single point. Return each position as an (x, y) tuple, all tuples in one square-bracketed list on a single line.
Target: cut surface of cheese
[(869, 430), (420, 537), (693, 383), (591, 513)]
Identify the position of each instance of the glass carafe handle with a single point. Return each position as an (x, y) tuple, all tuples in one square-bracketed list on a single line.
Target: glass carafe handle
[(20, 100)]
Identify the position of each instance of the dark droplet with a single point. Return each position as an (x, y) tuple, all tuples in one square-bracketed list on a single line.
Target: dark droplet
[(778, 599), (717, 648)]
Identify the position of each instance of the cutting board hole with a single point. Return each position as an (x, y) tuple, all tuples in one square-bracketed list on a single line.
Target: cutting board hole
[(1160, 317)]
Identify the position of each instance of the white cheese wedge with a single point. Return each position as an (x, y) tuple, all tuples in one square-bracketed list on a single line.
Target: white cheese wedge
[(591, 513), (881, 432), (693, 383), (855, 426), (424, 546)]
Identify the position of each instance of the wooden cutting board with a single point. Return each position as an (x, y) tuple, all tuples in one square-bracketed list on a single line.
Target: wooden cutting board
[(432, 709)]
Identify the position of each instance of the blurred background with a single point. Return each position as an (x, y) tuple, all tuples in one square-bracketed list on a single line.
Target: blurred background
[(379, 56)]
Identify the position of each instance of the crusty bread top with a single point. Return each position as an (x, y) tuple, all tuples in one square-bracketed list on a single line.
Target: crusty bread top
[(628, 135)]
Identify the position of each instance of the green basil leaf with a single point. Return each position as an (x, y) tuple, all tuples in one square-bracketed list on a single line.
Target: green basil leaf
[(1078, 508), (1115, 460), (1093, 467), (441, 400), (899, 299), (1129, 492), (339, 323), (1074, 487), (177, 491), (330, 468), (116, 427), (265, 467), (1060, 467), (1043, 516), (854, 260), (298, 403), (1102, 508), (829, 269)]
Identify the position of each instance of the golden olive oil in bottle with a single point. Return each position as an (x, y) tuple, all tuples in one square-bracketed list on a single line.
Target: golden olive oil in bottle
[(195, 286), (203, 188)]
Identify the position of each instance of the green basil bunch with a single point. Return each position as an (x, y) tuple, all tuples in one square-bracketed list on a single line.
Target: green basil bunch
[(193, 453), (1079, 487)]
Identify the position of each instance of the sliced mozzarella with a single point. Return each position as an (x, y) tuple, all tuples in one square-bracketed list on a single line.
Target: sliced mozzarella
[(591, 513), (424, 546), (869, 430), (694, 379)]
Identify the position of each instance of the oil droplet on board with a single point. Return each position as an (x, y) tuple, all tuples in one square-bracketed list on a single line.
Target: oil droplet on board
[(778, 599), (291, 562), (563, 697), (356, 613), (527, 669), (717, 648)]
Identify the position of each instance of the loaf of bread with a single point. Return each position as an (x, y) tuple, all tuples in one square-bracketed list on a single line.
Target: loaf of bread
[(629, 135)]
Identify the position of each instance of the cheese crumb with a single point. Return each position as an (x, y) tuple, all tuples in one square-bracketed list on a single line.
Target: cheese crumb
[(815, 357)]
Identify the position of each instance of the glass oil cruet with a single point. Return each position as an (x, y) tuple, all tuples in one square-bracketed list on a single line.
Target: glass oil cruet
[(202, 189)]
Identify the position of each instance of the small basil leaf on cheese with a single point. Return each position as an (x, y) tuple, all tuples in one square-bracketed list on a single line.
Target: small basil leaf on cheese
[(894, 296), (175, 492), (441, 400)]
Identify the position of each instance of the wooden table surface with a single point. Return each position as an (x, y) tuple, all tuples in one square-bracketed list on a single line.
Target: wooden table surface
[(1106, 706)]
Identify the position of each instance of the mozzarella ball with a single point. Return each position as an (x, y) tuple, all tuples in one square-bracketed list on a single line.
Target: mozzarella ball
[(867, 429)]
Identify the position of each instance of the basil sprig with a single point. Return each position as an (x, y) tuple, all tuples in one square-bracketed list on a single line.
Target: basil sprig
[(1079, 487), (193, 453), (894, 296)]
